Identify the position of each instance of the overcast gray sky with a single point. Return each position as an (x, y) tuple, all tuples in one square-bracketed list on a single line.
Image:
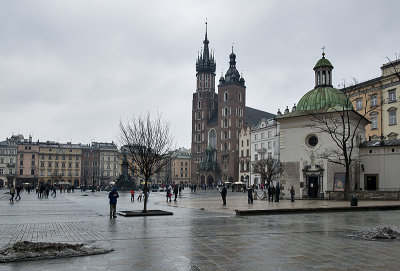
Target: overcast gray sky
[(71, 70)]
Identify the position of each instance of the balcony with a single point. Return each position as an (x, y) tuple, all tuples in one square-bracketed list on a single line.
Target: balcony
[(11, 165), (262, 150)]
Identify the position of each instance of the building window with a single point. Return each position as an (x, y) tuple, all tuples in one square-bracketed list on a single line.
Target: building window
[(225, 96), (32, 172), (392, 96), (359, 104), (21, 171), (256, 157), (312, 140), (374, 101), (392, 117), (374, 123)]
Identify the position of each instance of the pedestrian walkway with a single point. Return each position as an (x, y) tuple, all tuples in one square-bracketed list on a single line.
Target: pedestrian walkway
[(238, 201), (213, 238)]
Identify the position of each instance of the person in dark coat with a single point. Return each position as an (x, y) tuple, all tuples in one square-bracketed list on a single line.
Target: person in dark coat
[(169, 193), (250, 194), (223, 195), (269, 193), (277, 193), (272, 193), (18, 197), (292, 194), (176, 190), (113, 196)]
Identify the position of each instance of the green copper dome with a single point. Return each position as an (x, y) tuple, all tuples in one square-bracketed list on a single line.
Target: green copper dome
[(328, 98), (323, 62)]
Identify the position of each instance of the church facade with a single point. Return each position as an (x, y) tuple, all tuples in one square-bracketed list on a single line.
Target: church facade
[(307, 151), (218, 115)]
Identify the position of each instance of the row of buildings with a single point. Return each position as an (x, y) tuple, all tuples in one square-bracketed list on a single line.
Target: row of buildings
[(95, 164), (228, 136)]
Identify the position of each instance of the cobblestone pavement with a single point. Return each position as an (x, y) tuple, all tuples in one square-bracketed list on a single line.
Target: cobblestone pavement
[(195, 239)]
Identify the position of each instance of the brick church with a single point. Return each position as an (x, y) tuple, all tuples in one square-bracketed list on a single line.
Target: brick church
[(217, 119)]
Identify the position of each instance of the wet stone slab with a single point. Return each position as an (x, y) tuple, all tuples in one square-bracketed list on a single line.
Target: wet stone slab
[(147, 213), (200, 235)]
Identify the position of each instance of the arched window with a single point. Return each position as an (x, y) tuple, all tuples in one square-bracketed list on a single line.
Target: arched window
[(226, 111), (225, 96), (240, 97), (212, 138), (199, 104)]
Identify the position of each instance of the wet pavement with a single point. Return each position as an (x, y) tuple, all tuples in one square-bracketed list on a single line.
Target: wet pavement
[(201, 235)]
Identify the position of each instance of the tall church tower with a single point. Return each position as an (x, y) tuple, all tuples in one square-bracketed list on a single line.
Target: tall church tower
[(204, 110), (231, 118)]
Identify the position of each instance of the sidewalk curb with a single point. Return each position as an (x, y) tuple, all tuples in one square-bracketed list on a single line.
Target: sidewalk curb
[(316, 210)]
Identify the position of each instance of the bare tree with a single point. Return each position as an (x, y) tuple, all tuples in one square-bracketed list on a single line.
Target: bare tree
[(343, 125), (147, 144), (268, 169)]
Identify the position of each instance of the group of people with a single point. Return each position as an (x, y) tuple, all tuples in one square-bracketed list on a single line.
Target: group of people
[(272, 191), (17, 189), (177, 189)]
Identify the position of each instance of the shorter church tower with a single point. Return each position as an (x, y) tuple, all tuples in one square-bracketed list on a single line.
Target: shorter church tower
[(231, 118)]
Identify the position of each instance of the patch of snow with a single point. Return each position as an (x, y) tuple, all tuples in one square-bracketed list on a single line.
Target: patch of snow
[(379, 233)]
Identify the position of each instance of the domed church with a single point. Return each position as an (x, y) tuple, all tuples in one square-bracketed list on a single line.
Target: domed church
[(304, 145)]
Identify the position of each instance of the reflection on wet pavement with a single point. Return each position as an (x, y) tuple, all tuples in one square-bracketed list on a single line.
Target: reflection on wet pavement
[(194, 239)]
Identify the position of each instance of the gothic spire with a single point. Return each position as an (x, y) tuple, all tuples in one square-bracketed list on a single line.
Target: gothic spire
[(205, 62)]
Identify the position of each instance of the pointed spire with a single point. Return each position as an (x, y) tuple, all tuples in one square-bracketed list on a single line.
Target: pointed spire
[(206, 53), (206, 62)]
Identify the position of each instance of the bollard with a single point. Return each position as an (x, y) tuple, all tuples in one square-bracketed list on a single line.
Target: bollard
[(354, 201)]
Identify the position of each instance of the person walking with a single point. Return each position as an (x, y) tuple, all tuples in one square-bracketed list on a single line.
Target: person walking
[(139, 198), (113, 196), (176, 192), (269, 193), (180, 190), (12, 193), (272, 193), (223, 195), (132, 195), (18, 197), (54, 193), (250, 195), (292, 194), (277, 193)]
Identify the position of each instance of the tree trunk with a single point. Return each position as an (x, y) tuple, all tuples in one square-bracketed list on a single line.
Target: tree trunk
[(145, 196), (347, 183)]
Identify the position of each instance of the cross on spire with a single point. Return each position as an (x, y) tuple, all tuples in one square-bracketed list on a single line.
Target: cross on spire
[(232, 46), (323, 50)]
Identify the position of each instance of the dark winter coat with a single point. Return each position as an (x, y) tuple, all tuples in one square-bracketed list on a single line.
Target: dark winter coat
[(113, 195), (224, 192)]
